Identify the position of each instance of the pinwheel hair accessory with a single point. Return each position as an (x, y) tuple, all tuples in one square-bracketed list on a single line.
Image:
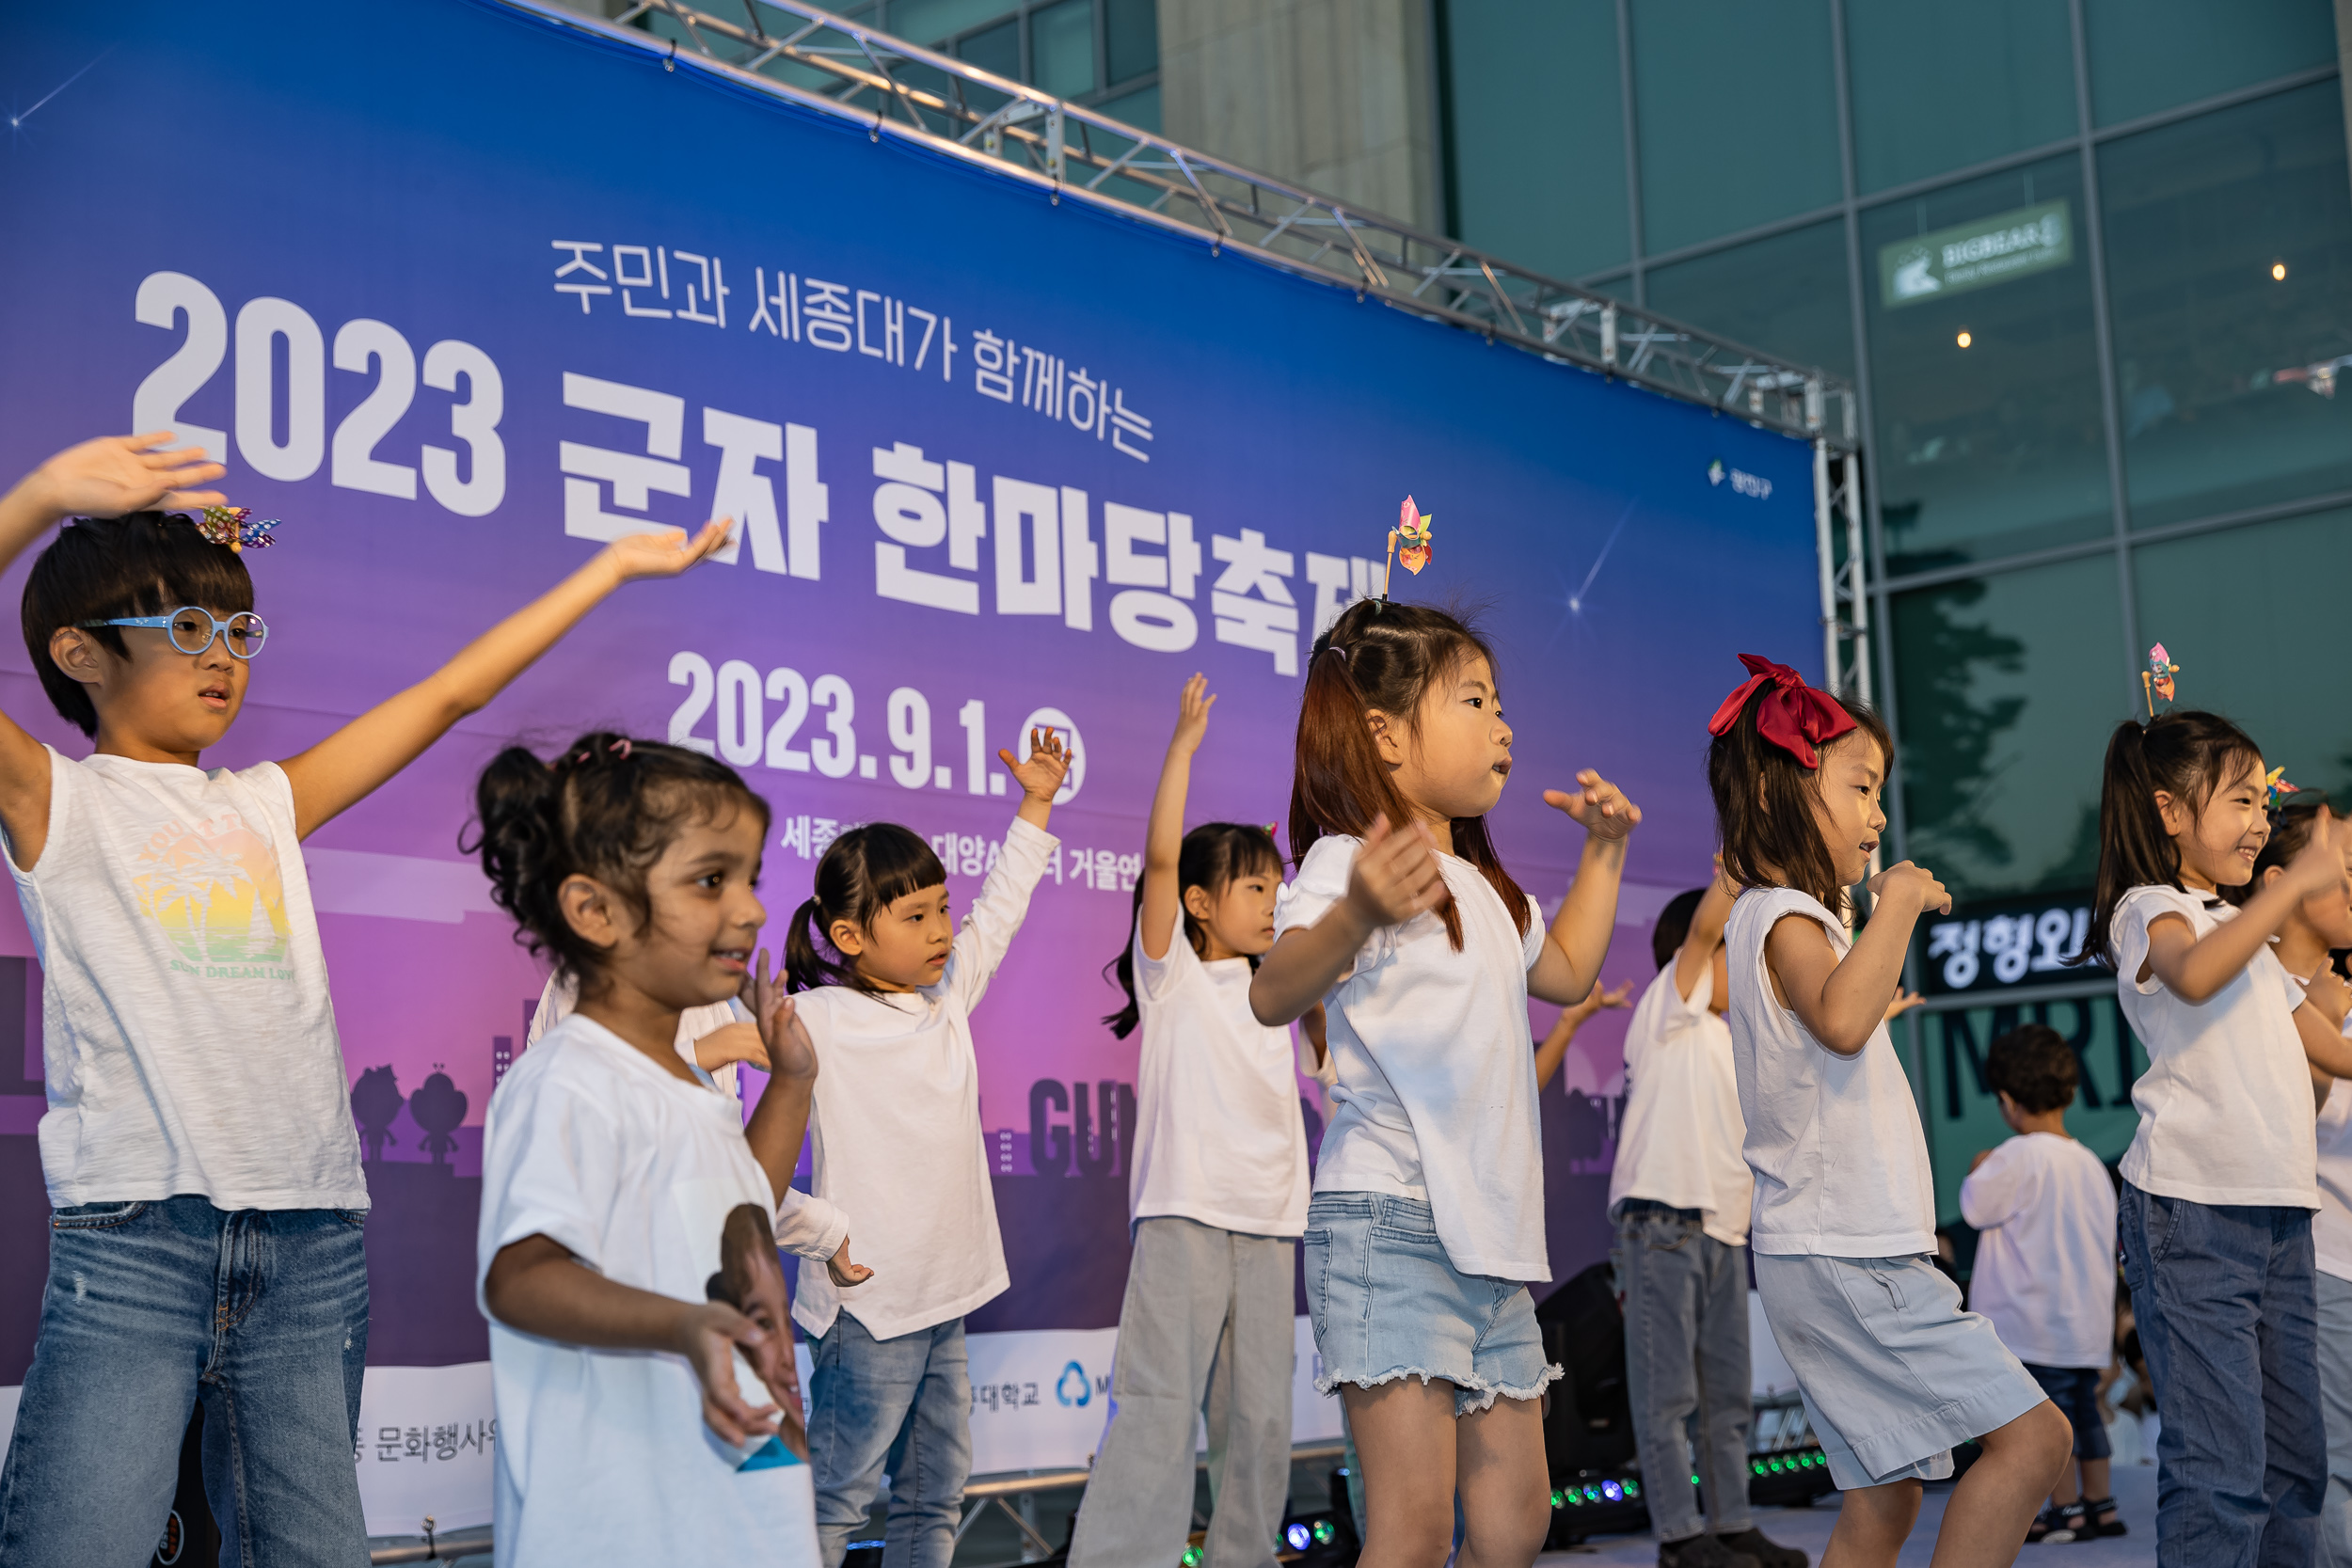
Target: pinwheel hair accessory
[(227, 525), (2276, 789), (2156, 680), (1408, 544), (1793, 716)]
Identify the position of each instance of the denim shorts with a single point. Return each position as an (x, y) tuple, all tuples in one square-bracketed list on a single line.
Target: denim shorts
[(1893, 1371), (2075, 1391), (1388, 1303)]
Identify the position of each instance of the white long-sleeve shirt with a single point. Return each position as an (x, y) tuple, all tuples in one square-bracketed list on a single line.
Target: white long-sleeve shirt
[(804, 1225), (897, 1124)]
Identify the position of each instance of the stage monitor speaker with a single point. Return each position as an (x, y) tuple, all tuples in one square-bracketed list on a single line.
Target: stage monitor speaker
[(1590, 1424)]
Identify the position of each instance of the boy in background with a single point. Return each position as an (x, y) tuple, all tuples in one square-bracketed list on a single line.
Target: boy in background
[(2046, 1263)]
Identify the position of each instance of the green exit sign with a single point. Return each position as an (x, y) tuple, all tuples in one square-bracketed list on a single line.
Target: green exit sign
[(1996, 249)]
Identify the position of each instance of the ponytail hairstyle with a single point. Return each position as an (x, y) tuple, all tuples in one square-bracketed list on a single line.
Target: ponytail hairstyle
[(2291, 823), (606, 808), (1764, 798), (2187, 754), (1214, 856), (863, 872), (1384, 656)]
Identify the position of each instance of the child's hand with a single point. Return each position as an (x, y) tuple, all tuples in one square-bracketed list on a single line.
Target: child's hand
[(2329, 994), (116, 474), (1042, 776), (1192, 716), (665, 552), (707, 1336), (2319, 869), (786, 1050), (1904, 1000), (1598, 999), (731, 1043), (1983, 1155), (1906, 881), (1599, 805), (845, 1272), (1396, 875)]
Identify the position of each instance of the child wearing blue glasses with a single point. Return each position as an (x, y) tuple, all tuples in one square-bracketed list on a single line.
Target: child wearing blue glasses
[(197, 1252)]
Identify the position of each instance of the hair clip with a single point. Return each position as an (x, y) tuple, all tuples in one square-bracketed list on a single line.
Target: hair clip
[(620, 747), (2156, 680), (2276, 789), (1412, 529), (227, 525)]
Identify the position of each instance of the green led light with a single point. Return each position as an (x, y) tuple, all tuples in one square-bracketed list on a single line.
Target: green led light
[(1557, 1500), (1592, 1494), (1758, 1466), (1324, 1533), (1694, 1481), (1192, 1557), (1632, 1488)]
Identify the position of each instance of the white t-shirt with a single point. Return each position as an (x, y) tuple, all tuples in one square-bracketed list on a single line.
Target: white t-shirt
[(1679, 1136), (603, 1455), (2225, 1106), (1435, 1097), (2332, 1227), (1219, 1135), (187, 1038), (2046, 1263), (897, 1124), (803, 1225), (1841, 1164)]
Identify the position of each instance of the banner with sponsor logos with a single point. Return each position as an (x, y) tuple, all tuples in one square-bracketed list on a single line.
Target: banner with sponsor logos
[(459, 293)]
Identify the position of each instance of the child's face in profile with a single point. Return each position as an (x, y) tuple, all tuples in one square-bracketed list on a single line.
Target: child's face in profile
[(2220, 841), (1846, 802), (1238, 917), (906, 946), (1458, 754), (153, 697)]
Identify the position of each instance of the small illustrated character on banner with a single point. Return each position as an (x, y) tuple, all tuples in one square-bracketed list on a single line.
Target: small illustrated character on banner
[(1408, 544), (2156, 680), (227, 525)]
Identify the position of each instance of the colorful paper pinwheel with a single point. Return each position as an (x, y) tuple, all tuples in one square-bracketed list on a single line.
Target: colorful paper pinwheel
[(227, 525)]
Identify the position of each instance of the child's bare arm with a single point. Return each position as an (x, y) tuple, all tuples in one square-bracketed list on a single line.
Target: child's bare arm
[(1553, 1047), (1041, 777), (1841, 1003), (1395, 877), (2193, 968), (1707, 931), (104, 478), (1569, 963), (779, 1122), (347, 767), (536, 1286), (1164, 835)]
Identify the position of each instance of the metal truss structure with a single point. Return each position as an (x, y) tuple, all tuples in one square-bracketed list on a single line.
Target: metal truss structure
[(1845, 600), (798, 52)]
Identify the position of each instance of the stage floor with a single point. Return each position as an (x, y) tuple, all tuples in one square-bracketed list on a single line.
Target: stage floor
[(1808, 1528)]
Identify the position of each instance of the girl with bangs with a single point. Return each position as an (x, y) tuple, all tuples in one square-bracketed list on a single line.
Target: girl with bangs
[(1427, 1218)]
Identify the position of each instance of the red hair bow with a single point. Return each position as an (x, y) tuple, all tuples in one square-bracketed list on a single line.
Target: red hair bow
[(1793, 716)]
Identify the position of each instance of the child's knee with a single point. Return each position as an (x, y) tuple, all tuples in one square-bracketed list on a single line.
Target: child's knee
[(1503, 1531)]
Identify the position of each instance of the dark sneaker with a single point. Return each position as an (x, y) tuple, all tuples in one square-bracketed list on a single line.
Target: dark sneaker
[(2094, 1527), (1767, 1552), (1702, 1551)]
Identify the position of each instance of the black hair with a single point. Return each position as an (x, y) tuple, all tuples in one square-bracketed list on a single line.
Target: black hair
[(1213, 855), (863, 872), (1762, 814), (2034, 1066), (139, 563), (2291, 823), (2187, 754), (1673, 925), (607, 808)]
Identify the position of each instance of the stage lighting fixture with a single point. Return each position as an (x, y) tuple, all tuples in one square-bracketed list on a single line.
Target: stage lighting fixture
[(1299, 1536), (1965, 338), (2277, 272)]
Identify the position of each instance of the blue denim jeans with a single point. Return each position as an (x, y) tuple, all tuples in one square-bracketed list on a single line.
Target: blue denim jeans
[(900, 1406), (2224, 1300), (1686, 1364), (261, 1314)]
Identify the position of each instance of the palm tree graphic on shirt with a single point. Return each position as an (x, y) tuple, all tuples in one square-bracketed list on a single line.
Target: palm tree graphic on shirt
[(213, 888)]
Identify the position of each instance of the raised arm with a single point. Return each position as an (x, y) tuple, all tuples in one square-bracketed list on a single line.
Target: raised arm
[(2193, 968), (1393, 877), (104, 478), (1569, 963), (1842, 1001), (1707, 931), (1553, 1047), (1164, 835), (349, 764)]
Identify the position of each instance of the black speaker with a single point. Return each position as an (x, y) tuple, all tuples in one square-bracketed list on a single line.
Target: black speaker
[(1589, 1426)]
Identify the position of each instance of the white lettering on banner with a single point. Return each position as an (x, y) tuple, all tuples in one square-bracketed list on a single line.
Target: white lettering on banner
[(1142, 615), (2036, 942), (1339, 581), (909, 508), (1251, 601), (842, 318)]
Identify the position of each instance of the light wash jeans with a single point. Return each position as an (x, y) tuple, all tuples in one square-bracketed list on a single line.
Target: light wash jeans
[(1686, 1363), (261, 1314), (902, 1406), (1206, 1329), (2335, 1397), (2227, 1312)]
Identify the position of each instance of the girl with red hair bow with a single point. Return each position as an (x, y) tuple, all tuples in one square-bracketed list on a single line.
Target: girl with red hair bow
[(1893, 1371)]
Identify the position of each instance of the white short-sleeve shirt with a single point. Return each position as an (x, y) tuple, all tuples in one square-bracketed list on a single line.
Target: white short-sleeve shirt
[(603, 1455), (1679, 1137), (2225, 1106), (2045, 1258), (1840, 1162), (1435, 1097), (1219, 1137)]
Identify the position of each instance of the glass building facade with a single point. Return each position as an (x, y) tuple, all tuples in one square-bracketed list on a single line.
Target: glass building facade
[(2089, 264)]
